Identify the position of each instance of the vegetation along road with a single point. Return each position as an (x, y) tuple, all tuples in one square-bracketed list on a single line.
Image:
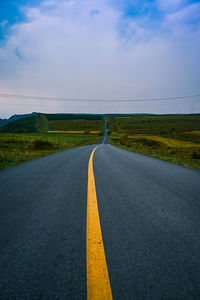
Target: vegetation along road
[(99, 222)]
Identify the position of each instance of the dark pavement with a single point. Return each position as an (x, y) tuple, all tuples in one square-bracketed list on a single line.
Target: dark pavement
[(43, 227), (150, 221)]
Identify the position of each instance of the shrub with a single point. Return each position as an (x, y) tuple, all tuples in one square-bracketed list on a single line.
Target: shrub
[(12, 141), (147, 142), (195, 155), (42, 144), (125, 140)]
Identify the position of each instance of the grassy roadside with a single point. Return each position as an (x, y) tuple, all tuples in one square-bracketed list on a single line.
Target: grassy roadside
[(20, 147), (174, 139)]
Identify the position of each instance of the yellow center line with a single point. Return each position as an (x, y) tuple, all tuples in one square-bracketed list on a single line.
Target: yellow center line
[(98, 283)]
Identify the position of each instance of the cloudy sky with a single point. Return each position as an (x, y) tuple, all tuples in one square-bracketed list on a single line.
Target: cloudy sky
[(105, 50)]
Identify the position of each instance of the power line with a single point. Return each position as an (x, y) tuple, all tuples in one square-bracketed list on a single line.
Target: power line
[(41, 98), (50, 105)]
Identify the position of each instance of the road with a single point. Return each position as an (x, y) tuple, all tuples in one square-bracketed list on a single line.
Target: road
[(149, 213)]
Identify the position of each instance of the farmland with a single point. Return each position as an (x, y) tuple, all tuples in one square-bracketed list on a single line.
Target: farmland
[(173, 138), (20, 147)]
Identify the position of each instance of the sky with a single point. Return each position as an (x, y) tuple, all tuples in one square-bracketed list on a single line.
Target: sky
[(99, 50)]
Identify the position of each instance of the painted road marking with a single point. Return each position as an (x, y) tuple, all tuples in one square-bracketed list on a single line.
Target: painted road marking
[(98, 283)]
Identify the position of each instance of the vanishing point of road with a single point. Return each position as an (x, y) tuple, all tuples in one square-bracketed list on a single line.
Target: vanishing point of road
[(99, 222)]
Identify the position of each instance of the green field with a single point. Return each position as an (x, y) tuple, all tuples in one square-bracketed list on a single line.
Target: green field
[(174, 138), (85, 123), (29, 137), (19, 147), (76, 125)]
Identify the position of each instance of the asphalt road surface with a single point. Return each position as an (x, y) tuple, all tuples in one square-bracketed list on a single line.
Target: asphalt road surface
[(150, 221)]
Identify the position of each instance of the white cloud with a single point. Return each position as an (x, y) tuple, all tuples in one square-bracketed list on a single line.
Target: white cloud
[(188, 14), (169, 5), (48, 3), (67, 52), (3, 23)]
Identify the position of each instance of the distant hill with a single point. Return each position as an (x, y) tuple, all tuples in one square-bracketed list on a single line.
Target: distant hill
[(53, 117), (38, 122), (35, 123), (18, 117), (128, 115), (73, 122), (3, 122)]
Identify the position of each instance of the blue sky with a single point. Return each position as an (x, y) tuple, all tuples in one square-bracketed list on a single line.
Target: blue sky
[(152, 11), (101, 49)]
